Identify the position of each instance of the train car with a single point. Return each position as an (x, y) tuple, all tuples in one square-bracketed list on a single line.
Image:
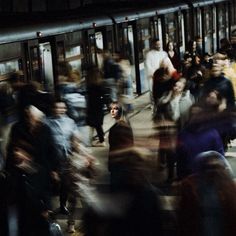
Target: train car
[(33, 47)]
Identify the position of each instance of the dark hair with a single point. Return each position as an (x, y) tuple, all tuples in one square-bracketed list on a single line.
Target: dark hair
[(64, 68)]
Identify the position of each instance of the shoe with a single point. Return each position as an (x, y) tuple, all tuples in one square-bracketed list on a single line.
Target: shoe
[(98, 144), (64, 210), (71, 229)]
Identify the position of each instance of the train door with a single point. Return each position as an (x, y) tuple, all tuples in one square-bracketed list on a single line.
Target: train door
[(33, 61), (127, 46), (156, 28), (170, 29), (174, 31), (222, 23), (39, 63), (94, 43), (47, 76), (208, 27), (144, 40), (181, 34), (215, 38)]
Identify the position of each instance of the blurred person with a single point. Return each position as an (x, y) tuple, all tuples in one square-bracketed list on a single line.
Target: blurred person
[(199, 49), (95, 104), (192, 48), (173, 56), (33, 93), (207, 198), (134, 209), (215, 115), (207, 61), (63, 129), (126, 89), (153, 62), (195, 76), (112, 73), (162, 82), (177, 101), (186, 64), (174, 107), (226, 48), (220, 83), (227, 68), (79, 170), (120, 138), (31, 165), (8, 115), (196, 137)]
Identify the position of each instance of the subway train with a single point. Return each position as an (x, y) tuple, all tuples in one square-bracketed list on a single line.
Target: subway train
[(32, 45)]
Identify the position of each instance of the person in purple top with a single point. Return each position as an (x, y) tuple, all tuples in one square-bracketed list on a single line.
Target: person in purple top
[(194, 139)]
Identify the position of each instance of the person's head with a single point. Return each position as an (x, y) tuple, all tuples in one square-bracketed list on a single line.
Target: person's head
[(116, 110), (192, 46), (225, 43), (213, 98), (74, 76), (94, 75), (170, 46), (180, 85), (211, 161), (216, 70), (207, 57), (59, 108), (64, 68), (196, 60), (156, 44)]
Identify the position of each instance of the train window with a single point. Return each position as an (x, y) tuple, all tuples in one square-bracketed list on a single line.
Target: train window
[(221, 21), (47, 78), (60, 51), (170, 28), (99, 48), (99, 40), (109, 41), (92, 49), (198, 22), (11, 50), (143, 38), (74, 56), (7, 67), (154, 29), (187, 20), (35, 64), (233, 13), (208, 20), (181, 34), (126, 41)]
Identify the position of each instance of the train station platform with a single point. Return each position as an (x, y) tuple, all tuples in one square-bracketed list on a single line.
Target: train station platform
[(141, 122)]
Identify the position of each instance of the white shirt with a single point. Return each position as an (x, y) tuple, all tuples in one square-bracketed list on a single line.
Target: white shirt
[(153, 61)]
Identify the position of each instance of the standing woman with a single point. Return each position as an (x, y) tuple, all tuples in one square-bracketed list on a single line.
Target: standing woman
[(95, 113), (120, 138), (172, 54)]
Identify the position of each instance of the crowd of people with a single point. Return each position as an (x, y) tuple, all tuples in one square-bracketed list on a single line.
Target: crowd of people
[(45, 149)]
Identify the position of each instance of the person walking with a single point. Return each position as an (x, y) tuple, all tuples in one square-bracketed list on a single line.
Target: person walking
[(63, 129)]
